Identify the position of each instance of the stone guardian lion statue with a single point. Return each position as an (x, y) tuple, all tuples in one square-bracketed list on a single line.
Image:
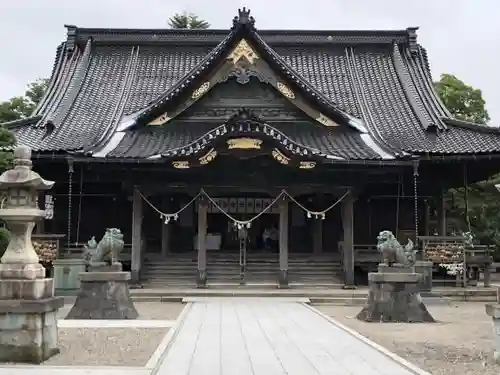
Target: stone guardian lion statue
[(107, 249), (393, 252)]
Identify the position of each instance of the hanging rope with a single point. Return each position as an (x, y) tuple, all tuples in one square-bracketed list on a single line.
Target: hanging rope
[(79, 208), (174, 215), (466, 199), (398, 199), (316, 214), (70, 197), (415, 196), (243, 223)]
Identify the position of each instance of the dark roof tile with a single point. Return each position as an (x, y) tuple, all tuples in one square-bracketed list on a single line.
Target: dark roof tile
[(361, 74)]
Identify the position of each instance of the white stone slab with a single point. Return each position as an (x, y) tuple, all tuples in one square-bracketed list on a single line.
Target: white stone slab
[(67, 370), (245, 299), (118, 323), (263, 337)]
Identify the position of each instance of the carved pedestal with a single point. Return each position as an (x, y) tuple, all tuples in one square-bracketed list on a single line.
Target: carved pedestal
[(103, 295), (201, 278), (494, 312), (283, 279), (394, 297), (28, 308)]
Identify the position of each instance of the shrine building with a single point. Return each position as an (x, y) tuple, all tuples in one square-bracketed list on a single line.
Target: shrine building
[(245, 155)]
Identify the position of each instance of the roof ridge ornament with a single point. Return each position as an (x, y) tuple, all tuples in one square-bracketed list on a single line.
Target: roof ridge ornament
[(243, 19)]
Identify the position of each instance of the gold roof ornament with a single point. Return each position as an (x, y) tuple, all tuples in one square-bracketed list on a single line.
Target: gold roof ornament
[(280, 157), (322, 119), (180, 164), (244, 143), (307, 164), (285, 90), (208, 157), (160, 120), (243, 50), (200, 91)]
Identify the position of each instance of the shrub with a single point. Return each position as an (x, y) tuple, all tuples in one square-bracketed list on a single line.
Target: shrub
[(4, 240)]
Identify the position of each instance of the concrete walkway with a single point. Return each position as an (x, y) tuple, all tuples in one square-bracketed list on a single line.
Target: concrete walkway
[(266, 337)]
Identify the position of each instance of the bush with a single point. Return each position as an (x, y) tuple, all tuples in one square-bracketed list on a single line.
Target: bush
[(4, 240)]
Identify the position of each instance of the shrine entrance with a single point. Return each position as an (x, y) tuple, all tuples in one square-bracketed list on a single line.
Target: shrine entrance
[(242, 240)]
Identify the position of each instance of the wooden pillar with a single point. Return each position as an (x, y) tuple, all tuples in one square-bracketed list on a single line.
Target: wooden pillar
[(441, 208), (136, 256), (283, 244), (201, 274), (427, 218), (165, 231), (318, 236), (348, 242)]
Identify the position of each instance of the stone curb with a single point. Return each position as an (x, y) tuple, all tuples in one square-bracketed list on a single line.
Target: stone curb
[(159, 355), (407, 365)]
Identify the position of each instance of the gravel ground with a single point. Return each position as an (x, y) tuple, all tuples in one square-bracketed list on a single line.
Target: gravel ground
[(159, 310), (459, 344), (106, 346), (146, 310)]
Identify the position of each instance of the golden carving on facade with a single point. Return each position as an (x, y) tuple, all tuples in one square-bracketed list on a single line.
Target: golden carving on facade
[(182, 164), (244, 143), (280, 157), (322, 119), (208, 157), (243, 49), (285, 90), (307, 164), (160, 119), (200, 91)]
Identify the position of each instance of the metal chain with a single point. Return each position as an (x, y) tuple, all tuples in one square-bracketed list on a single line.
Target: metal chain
[(415, 195), (70, 197)]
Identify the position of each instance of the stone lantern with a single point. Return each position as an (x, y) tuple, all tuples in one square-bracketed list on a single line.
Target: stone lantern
[(28, 330)]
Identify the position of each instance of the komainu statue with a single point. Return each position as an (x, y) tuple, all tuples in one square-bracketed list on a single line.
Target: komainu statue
[(393, 252), (107, 250)]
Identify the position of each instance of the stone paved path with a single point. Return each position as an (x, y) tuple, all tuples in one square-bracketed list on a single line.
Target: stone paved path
[(258, 337)]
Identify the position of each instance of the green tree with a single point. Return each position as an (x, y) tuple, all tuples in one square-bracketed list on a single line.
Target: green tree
[(479, 212), (22, 106), (187, 21), (14, 109), (463, 101)]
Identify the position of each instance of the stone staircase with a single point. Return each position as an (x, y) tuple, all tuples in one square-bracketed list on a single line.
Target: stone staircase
[(179, 270)]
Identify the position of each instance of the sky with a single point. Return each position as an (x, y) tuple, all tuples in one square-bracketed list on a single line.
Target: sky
[(462, 36)]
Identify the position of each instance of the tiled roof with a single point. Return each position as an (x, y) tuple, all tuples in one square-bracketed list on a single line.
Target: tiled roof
[(104, 77), (304, 138)]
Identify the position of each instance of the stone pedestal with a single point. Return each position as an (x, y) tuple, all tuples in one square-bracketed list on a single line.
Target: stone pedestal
[(424, 268), (66, 273), (201, 278), (283, 279), (103, 295), (394, 297), (28, 308), (493, 310)]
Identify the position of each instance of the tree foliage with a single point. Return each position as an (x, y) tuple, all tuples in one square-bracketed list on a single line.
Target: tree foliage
[(476, 209), (463, 101), (187, 21), (14, 109), (22, 106)]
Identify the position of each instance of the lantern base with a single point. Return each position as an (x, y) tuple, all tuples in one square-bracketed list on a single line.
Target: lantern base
[(22, 271), (28, 330)]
